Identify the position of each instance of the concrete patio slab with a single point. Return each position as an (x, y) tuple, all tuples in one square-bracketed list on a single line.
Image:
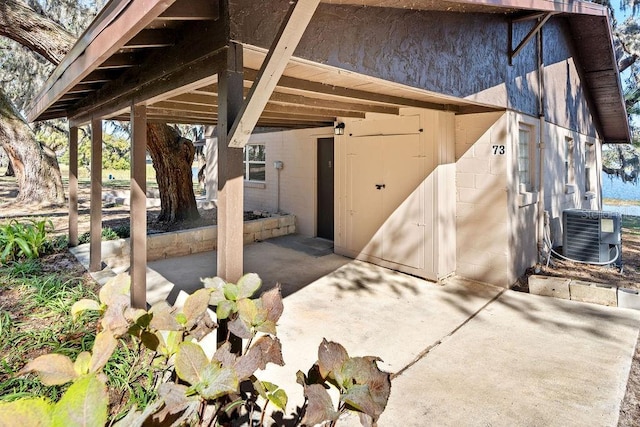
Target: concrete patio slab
[(523, 360), (461, 353)]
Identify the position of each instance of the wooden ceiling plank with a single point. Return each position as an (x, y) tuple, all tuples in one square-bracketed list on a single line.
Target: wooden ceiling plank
[(151, 38), (119, 60), (189, 10), (285, 43)]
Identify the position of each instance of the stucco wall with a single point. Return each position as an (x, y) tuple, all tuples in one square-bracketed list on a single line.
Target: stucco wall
[(458, 54), (297, 149), (482, 224)]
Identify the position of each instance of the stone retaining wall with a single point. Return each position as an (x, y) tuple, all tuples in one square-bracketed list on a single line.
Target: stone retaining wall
[(186, 242)]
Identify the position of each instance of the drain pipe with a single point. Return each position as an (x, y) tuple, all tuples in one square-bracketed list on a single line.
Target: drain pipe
[(542, 129)]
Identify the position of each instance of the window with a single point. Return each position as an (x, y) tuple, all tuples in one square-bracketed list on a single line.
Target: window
[(255, 165), (589, 156), (569, 164), (524, 159)]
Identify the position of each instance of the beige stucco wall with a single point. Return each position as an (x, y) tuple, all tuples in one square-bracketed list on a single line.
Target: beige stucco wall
[(497, 223), (297, 149), (481, 199), (410, 224)]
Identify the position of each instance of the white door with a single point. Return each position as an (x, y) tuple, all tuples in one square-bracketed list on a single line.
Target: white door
[(403, 201), (386, 198)]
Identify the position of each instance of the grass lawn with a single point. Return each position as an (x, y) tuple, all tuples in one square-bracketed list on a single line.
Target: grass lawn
[(121, 178)]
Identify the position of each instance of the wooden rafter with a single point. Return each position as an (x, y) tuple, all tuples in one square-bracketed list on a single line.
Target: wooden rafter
[(285, 43)]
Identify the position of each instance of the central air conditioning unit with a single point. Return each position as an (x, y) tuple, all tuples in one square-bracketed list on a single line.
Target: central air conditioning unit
[(592, 236)]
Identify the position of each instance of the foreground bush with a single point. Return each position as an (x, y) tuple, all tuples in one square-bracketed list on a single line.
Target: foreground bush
[(192, 388)]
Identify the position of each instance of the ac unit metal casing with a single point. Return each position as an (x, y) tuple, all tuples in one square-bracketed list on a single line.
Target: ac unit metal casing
[(592, 236)]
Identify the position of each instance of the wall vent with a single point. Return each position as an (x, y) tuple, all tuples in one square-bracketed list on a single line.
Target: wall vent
[(592, 236)]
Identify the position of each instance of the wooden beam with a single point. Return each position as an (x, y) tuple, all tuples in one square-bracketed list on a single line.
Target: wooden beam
[(120, 60), (95, 210), (230, 171), (514, 52), (73, 186), (348, 93), (109, 32), (285, 43), (190, 62), (138, 217)]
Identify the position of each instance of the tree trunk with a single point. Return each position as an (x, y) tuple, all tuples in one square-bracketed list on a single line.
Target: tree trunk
[(172, 157), (35, 165), (32, 30)]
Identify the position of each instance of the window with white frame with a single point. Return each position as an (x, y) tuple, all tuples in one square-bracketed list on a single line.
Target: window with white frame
[(569, 162), (589, 158), (525, 167), (255, 165)]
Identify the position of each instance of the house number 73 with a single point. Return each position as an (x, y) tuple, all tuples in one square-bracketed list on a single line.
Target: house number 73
[(498, 150)]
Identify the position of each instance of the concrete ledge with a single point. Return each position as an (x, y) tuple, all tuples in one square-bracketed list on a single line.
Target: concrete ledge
[(582, 291), (547, 286), (629, 298), (595, 293), (196, 240)]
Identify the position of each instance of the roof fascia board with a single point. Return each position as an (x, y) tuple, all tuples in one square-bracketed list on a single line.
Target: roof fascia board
[(121, 21), (559, 6)]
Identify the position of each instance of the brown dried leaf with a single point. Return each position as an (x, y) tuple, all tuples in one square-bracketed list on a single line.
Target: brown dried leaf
[(119, 285), (103, 348), (113, 318), (272, 302), (224, 356), (175, 400), (265, 350), (368, 387), (196, 306), (319, 407), (163, 318), (52, 369), (204, 326), (331, 357), (238, 328)]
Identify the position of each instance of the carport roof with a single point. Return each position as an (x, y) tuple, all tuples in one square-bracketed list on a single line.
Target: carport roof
[(136, 52)]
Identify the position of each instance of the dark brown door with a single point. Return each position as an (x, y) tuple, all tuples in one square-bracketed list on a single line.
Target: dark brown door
[(325, 188)]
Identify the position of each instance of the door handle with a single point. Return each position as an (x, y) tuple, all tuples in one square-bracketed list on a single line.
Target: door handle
[(380, 186)]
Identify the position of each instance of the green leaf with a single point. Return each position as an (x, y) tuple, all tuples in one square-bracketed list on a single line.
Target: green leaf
[(119, 285), (270, 387), (181, 319), (279, 398), (331, 357), (83, 404), (267, 327), (83, 305), (248, 285), (30, 412), (52, 369), (231, 291), (103, 348), (190, 362), (367, 387), (225, 308), (82, 363), (150, 340), (248, 311), (196, 305), (216, 285), (216, 382), (144, 319)]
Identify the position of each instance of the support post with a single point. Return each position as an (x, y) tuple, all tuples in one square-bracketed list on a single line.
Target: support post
[(73, 186), (211, 168), (95, 246), (230, 170), (138, 213)]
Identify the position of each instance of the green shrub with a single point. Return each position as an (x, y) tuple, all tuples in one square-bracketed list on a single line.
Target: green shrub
[(187, 384), (20, 240), (107, 234)]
